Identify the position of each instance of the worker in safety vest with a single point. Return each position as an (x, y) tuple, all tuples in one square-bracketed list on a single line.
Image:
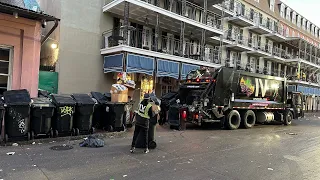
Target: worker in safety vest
[(142, 122)]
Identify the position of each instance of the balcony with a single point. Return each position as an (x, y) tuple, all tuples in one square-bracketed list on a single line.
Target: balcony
[(170, 15), (242, 17), (142, 41), (227, 7), (278, 55), (260, 49), (238, 43), (277, 35), (261, 26)]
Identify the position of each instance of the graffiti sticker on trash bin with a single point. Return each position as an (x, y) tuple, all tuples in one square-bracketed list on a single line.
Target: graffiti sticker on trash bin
[(66, 110), (22, 126)]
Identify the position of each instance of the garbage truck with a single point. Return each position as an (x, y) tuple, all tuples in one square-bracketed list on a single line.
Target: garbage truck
[(234, 98)]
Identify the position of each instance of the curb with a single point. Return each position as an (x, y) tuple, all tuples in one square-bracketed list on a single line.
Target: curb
[(103, 135)]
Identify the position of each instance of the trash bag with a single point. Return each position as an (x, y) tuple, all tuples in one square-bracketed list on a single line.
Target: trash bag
[(92, 142)]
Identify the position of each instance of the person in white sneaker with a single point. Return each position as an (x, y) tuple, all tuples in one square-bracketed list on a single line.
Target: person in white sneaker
[(142, 122)]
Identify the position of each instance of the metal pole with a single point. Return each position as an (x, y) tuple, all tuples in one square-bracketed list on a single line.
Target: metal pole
[(203, 41), (126, 22), (182, 37), (157, 31), (205, 9)]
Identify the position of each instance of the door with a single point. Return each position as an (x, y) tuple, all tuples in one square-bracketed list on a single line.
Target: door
[(146, 38), (6, 53)]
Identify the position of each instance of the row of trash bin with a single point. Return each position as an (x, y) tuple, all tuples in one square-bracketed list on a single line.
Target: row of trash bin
[(58, 115)]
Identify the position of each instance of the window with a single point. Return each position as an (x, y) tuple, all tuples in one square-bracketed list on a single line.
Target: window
[(293, 33), (293, 15), (288, 12), (272, 5), (298, 21), (5, 70), (281, 9)]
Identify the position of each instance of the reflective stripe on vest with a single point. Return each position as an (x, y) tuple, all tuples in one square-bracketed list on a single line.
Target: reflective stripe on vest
[(146, 110)]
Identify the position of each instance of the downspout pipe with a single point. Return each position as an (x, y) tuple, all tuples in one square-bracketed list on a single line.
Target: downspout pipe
[(56, 23)]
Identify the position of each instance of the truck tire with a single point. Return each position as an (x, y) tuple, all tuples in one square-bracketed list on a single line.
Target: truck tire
[(233, 120), (249, 119), (288, 118)]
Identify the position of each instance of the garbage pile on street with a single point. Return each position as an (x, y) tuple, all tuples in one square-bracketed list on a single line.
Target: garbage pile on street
[(53, 115)]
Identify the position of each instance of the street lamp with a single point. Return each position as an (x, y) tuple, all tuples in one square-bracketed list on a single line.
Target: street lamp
[(54, 45)]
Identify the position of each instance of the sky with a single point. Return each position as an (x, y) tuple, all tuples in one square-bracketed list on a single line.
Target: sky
[(306, 8)]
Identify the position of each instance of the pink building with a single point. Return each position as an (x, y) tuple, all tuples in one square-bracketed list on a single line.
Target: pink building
[(20, 43)]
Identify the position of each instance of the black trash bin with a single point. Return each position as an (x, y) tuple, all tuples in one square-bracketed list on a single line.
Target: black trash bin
[(2, 112), (83, 115), (17, 115), (42, 111), (62, 122), (115, 113), (99, 114), (151, 135)]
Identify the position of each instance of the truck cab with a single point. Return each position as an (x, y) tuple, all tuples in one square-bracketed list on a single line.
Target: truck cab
[(295, 103)]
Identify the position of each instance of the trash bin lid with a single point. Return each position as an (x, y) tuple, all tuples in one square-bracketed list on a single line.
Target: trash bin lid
[(41, 102), (99, 97), (108, 96), (17, 97), (62, 99), (83, 99)]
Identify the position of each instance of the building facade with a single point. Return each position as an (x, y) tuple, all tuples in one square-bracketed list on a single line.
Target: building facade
[(20, 44), (157, 42)]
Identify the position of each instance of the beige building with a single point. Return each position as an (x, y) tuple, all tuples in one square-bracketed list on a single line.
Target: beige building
[(156, 42)]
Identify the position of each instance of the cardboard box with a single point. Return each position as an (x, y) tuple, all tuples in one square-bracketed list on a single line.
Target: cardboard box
[(118, 89), (119, 98)]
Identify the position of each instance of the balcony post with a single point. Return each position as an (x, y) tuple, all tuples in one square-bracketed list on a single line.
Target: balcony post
[(203, 41), (157, 32), (171, 5), (310, 59), (126, 22), (205, 9), (305, 50), (182, 28), (184, 6), (315, 55), (299, 56), (285, 71), (279, 70)]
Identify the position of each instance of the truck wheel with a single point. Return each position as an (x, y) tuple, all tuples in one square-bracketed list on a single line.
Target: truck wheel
[(233, 120), (288, 118), (249, 119)]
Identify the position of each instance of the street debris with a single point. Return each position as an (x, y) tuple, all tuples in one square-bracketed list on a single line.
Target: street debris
[(125, 175), (92, 142), (292, 133), (11, 153), (1, 170), (270, 169), (39, 143), (34, 165), (33, 143), (15, 144), (158, 161)]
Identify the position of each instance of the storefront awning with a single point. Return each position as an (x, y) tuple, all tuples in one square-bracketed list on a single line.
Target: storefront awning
[(292, 88), (300, 89), (140, 64), (186, 68), (166, 68), (113, 63)]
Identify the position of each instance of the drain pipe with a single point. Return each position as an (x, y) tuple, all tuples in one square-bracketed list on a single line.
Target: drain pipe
[(56, 23)]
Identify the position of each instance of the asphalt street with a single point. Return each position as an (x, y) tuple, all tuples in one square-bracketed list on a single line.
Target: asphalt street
[(267, 152)]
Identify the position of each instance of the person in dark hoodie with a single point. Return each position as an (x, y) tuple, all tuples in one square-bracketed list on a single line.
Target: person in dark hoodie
[(142, 122)]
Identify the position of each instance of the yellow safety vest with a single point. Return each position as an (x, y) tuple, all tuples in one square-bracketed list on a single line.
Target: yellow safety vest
[(146, 110)]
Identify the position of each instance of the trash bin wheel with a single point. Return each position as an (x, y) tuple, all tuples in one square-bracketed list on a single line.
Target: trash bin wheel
[(51, 133), (110, 128), (73, 132), (56, 133), (28, 136), (32, 135), (152, 145), (6, 138), (77, 132), (92, 130)]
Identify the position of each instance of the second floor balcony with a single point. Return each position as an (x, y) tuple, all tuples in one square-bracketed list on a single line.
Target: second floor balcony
[(169, 45)]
